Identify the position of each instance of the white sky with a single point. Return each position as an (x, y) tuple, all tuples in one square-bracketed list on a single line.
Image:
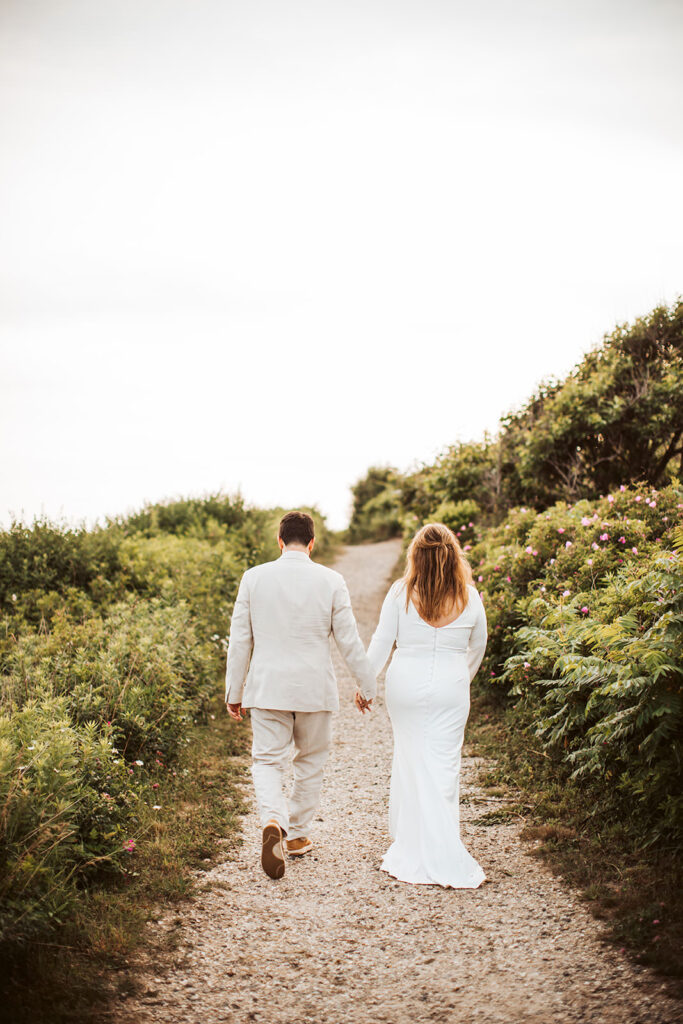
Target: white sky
[(262, 245)]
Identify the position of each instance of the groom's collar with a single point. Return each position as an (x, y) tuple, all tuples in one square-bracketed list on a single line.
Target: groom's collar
[(295, 554)]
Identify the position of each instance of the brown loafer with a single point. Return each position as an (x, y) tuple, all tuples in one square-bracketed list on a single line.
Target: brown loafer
[(272, 857), (297, 847)]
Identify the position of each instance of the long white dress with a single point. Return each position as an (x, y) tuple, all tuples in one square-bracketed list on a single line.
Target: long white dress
[(428, 700)]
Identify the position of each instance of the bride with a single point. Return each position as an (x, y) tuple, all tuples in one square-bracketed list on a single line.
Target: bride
[(437, 619)]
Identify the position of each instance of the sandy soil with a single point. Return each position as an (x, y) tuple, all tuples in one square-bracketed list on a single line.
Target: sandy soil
[(339, 941)]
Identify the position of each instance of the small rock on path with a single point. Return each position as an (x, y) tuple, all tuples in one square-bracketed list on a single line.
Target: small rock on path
[(337, 941)]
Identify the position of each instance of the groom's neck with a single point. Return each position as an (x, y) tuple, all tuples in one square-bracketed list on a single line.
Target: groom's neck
[(296, 547)]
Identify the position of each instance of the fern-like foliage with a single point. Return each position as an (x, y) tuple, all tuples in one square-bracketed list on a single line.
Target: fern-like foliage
[(608, 689)]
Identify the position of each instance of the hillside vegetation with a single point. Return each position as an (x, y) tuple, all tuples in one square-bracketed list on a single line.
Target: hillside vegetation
[(112, 656), (571, 520)]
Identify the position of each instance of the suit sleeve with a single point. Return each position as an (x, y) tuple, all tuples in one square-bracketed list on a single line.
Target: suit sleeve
[(478, 638), (240, 645), (385, 634), (345, 632)]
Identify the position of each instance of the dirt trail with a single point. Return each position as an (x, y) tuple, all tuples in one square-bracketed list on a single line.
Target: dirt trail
[(338, 941)]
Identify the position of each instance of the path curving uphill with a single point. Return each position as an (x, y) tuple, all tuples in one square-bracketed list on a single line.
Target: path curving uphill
[(339, 942)]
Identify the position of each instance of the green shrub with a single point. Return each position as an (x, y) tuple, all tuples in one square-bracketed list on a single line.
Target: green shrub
[(205, 574), (460, 516), (376, 513), (47, 565), (617, 418), (67, 801), (603, 672), (92, 714), (567, 548), (584, 625), (143, 669), (217, 515)]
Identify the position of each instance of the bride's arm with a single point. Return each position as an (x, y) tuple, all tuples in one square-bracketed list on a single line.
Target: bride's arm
[(385, 634), (478, 638)]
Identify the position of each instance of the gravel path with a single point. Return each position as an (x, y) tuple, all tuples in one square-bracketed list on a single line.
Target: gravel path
[(339, 942)]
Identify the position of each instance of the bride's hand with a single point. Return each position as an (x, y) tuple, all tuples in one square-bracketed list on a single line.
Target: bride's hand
[(362, 704)]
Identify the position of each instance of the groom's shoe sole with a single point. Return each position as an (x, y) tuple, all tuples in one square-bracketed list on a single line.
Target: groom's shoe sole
[(272, 856)]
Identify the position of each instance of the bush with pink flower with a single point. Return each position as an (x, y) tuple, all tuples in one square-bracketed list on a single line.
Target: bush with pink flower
[(541, 612)]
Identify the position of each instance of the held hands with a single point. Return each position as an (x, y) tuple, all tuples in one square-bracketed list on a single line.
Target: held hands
[(362, 704), (235, 711)]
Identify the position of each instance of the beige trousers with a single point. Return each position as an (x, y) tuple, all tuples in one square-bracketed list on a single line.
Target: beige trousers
[(273, 734)]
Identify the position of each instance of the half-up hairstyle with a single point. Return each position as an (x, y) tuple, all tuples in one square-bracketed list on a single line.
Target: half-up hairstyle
[(437, 573)]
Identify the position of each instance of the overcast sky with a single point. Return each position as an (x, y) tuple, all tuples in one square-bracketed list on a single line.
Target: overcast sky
[(262, 245)]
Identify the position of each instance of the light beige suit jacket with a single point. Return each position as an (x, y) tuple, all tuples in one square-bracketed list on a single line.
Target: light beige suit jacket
[(279, 651)]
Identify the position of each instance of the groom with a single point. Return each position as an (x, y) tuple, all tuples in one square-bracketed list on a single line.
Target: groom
[(285, 613)]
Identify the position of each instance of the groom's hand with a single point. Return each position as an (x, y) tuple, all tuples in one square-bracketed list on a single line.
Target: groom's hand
[(362, 704), (235, 711)]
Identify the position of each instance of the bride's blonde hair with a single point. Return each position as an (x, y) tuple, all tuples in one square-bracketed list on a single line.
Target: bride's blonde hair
[(437, 572)]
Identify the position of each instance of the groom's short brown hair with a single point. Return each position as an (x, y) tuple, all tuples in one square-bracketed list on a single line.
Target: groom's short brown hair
[(297, 528)]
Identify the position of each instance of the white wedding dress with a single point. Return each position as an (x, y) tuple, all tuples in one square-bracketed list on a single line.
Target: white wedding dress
[(428, 700)]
